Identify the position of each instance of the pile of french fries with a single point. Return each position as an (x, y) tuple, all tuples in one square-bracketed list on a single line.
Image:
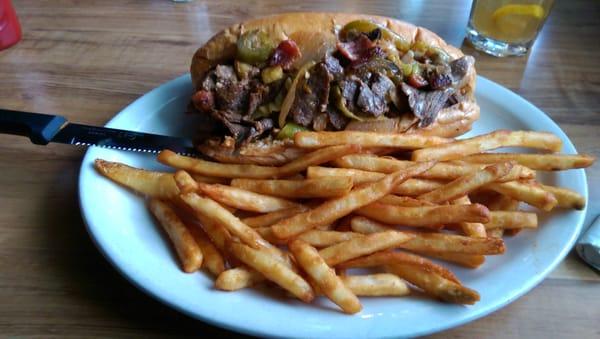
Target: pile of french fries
[(384, 203)]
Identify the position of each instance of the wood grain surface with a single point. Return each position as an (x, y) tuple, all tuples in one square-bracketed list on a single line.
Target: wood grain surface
[(87, 60)]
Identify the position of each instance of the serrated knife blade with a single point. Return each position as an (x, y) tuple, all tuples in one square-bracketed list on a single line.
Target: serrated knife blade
[(45, 128)]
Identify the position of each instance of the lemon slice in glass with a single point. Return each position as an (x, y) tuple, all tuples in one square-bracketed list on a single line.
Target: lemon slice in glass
[(517, 22)]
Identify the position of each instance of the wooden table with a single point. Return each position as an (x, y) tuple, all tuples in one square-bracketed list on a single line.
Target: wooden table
[(87, 60)]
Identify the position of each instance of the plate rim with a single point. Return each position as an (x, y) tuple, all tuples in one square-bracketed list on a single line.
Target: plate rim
[(240, 328)]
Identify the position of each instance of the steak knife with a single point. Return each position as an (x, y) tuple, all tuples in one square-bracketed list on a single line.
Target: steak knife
[(44, 128)]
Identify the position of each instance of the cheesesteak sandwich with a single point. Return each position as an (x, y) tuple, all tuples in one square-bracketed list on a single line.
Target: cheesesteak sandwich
[(259, 82)]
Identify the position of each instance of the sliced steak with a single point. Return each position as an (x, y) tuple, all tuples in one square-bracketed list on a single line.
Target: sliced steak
[(232, 96), (439, 76), (312, 95), (349, 90), (334, 67), (426, 105), (232, 121), (337, 120), (370, 103), (460, 68), (382, 85), (258, 94)]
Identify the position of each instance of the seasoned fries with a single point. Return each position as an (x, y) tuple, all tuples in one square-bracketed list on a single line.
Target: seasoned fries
[(237, 278), (435, 242), (245, 200), (366, 139), (471, 229), (215, 169), (565, 197), (375, 285), (269, 219), (467, 183), (528, 193), (410, 187), (152, 184), (425, 216), (186, 247), (274, 270), (486, 142), (216, 212), (212, 260), (441, 170), (511, 219), (434, 284), (354, 201), (360, 246), (324, 277), (540, 162), (326, 187), (395, 257), (185, 182), (334, 209), (319, 238)]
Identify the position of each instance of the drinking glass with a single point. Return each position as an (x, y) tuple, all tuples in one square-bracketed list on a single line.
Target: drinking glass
[(506, 27)]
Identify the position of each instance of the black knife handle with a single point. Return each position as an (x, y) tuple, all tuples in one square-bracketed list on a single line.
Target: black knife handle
[(40, 128)]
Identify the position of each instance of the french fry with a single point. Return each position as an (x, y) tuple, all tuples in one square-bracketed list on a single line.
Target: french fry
[(434, 284), (273, 269), (311, 188), (411, 187), (467, 183), (453, 243), (501, 203), (209, 180), (245, 200), (237, 278), (187, 249), (185, 182), (358, 176), (465, 260), (565, 197), (490, 141), (512, 219), (433, 242), (216, 212), (364, 245), (218, 234), (333, 209), (318, 238), (366, 139), (150, 183), (533, 195), (540, 162), (391, 199), (496, 233), (425, 216), (441, 170), (324, 277), (267, 234), (215, 169), (395, 257), (212, 261), (269, 219), (376, 285), (471, 229)]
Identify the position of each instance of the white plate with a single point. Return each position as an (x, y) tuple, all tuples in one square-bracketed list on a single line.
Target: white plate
[(124, 232)]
